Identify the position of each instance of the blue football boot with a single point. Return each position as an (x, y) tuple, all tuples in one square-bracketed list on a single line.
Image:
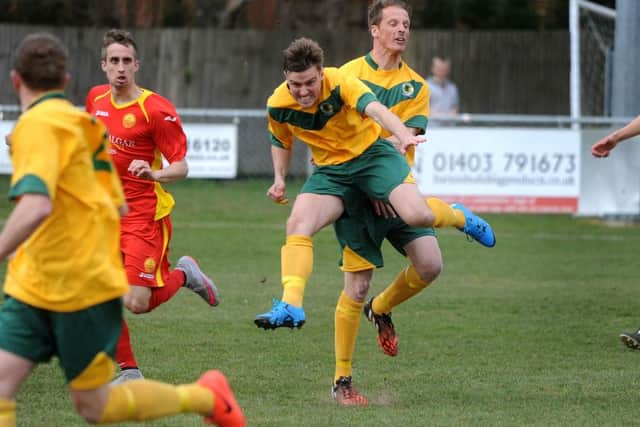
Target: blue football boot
[(476, 227), (281, 314)]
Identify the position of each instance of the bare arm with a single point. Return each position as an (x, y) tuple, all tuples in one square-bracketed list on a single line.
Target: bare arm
[(26, 217), (174, 172), (603, 147), (393, 124), (280, 158)]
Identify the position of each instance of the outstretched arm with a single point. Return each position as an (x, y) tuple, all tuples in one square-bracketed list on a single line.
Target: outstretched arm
[(393, 124), (603, 147)]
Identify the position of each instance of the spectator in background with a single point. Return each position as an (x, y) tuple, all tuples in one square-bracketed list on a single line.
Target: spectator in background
[(601, 149), (444, 93)]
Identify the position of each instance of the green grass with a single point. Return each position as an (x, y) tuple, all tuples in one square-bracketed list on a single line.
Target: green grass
[(522, 334)]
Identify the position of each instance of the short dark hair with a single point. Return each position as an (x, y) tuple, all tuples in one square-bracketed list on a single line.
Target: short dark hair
[(376, 7), (302, 54), (41, 61), (118, 36)]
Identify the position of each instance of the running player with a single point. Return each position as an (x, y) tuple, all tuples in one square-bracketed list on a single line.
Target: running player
[(65, 279), (144, 127)]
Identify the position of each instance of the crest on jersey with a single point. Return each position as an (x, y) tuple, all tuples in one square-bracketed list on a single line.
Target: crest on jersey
[(149, 265), (128, 121), (326, 108), (407, 90)]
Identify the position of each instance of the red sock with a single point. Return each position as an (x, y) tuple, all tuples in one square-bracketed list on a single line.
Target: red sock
[(172, 284), (124, 352)]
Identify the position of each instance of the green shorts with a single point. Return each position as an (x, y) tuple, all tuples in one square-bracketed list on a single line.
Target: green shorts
[(76, 337), (376, 172), (360, 229)]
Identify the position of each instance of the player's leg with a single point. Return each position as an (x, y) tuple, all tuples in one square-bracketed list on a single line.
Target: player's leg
[(144, 248), (360, 236), (387, 177), (25, 340), (347, 325), (14, 370), (187, 273), (310, 213), (85, 346), (421, 246), (210, 396)]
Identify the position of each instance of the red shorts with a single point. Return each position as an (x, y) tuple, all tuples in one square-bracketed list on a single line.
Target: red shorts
[(145, 252)]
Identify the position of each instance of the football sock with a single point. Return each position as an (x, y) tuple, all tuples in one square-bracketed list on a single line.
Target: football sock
[(124, 351), (297, 264), (141, 400), (406, 284), (174, 282), (446, 216), (7, 413), (347, 324)]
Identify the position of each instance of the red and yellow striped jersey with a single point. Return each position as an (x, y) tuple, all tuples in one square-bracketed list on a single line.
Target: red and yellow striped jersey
[(146, 128)]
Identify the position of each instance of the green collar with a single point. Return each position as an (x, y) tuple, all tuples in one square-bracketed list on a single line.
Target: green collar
[(46, 96)]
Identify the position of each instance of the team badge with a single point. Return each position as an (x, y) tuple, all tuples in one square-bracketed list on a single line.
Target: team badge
[(326, 108), (149, 265), (128, 121), (407, 90)]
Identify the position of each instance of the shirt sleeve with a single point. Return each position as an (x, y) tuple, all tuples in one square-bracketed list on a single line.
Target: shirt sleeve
[(35, 157), (279, 133), (417, 113), (168, 134), (355, 93)]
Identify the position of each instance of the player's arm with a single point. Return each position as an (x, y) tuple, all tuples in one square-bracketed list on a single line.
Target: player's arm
[(29, 213), (603, 147), (175, 171), (280, 158), (393, 124)]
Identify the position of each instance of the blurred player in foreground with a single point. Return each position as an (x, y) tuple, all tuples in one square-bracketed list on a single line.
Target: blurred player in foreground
[(406, 94), (65, 280), (339, 117), (602, 149), (143, 127)]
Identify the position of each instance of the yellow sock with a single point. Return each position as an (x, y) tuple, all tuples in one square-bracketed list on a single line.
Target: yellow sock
[(143, 400), (446, 216), (297, 264), (406, 284), (7, 413), (347, 323)]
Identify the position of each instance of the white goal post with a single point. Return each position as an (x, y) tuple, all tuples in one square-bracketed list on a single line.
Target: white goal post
[(602, 39)]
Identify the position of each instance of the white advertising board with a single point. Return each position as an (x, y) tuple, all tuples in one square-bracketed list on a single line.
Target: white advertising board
[(502, 170), (212, 150)]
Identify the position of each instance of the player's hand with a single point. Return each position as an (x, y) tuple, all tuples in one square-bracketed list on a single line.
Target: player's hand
[(277, 193), (141, 169), (405, 143), (603, 147), (383, 209)]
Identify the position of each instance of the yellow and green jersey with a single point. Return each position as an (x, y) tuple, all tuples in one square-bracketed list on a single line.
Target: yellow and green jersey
[(335, 128), (401, 90), (72, 260)]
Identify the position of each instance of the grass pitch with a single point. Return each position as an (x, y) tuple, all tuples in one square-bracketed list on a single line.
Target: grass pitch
[(525, 333)]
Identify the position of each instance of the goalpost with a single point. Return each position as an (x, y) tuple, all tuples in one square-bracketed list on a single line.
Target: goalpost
[(592, 29)]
